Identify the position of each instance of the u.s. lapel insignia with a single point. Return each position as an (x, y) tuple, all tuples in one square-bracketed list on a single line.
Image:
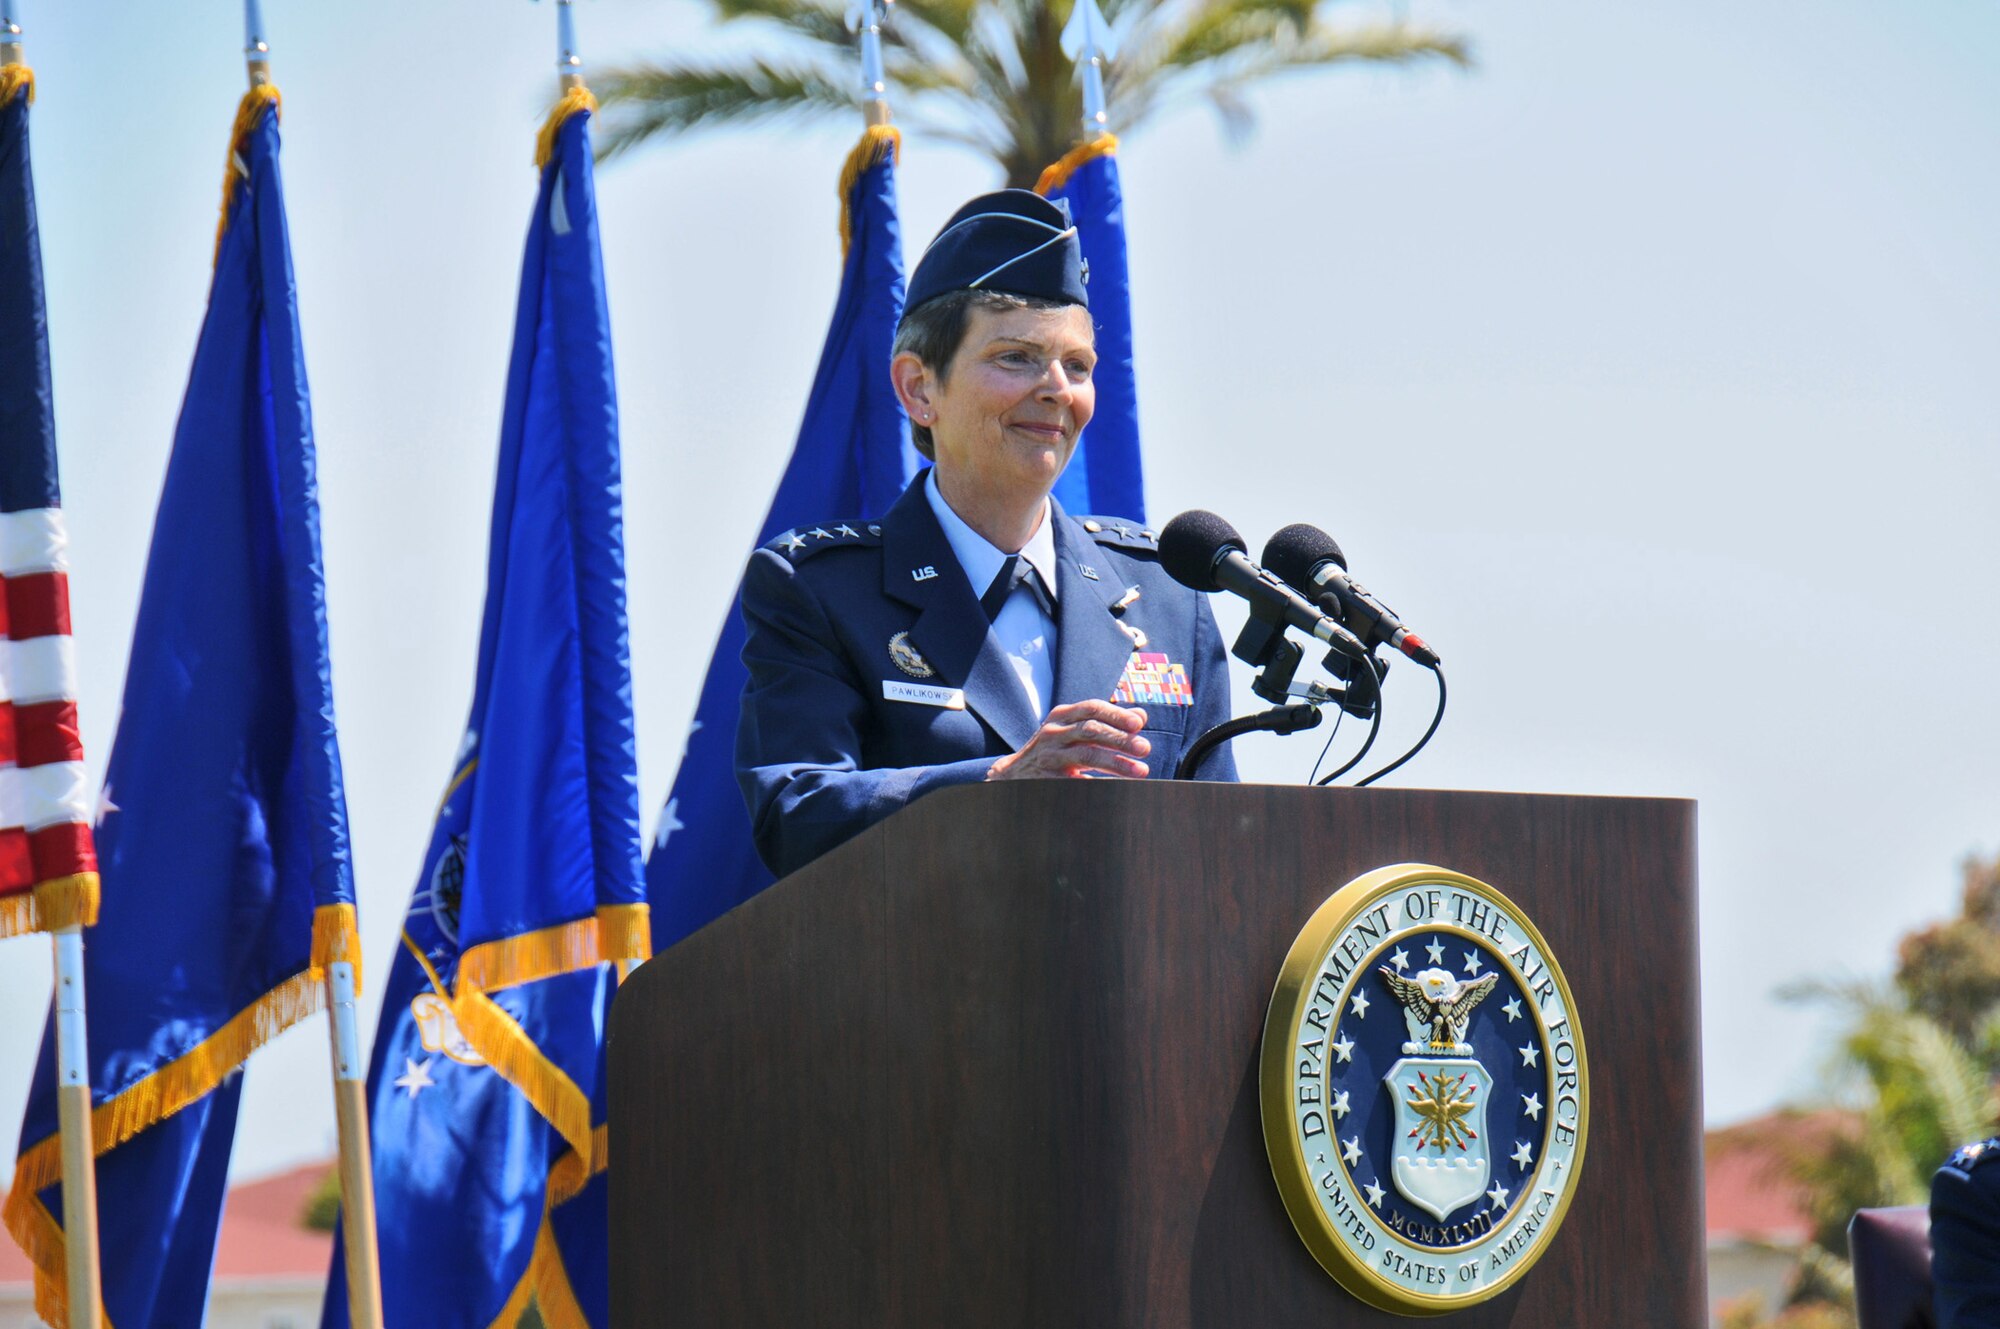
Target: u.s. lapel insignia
[(1151, 679), (905, 657)]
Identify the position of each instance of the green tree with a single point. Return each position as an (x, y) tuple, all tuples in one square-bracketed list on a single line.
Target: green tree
[(991, 74), (1951, 972), (322, 1208), (1913, 1076)]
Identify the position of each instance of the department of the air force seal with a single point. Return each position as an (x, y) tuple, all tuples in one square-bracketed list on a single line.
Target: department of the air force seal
[(1424, 1094)]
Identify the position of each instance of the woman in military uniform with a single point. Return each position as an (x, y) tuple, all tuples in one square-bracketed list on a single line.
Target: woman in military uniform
[(977, 632)]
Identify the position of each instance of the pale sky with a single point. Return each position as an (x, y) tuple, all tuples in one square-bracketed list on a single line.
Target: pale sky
[(1648, 370)]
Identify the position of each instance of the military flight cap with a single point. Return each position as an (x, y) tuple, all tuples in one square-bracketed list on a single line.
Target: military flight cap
[(1012, 240)]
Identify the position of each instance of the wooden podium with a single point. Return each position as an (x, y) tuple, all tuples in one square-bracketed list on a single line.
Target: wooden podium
[(994, 1063)]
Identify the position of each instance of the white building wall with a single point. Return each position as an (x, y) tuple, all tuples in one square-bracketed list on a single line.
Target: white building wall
[(237, 1303)]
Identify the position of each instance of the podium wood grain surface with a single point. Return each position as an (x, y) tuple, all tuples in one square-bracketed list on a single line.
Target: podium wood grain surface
[(993, 1063)]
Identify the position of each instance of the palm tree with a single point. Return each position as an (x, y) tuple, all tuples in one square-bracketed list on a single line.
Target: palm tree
[(1906, 1091), (991, 74)]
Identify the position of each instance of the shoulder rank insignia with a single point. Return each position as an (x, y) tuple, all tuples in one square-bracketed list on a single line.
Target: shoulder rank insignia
[(802, 542), (1120, 534), (906, 657), (1971, 1156)]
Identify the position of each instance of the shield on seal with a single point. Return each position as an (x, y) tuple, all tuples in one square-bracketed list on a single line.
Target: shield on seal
[(1440, 1155)]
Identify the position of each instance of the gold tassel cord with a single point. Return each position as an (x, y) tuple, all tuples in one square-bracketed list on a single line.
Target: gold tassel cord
[(40, 1237), (572, 1172), (12, 79), (182, 1081), (248, 112), (508, 1050), (554, 1297), (574, 101), (59, 902), (625, 931), (336, 938), (544, 953), (517, 1300), (1058, 174), (879, 143)]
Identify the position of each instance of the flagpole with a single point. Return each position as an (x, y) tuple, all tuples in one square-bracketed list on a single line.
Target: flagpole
[(10, 34), (357, 1171), (867, 18), (79, 1174), (350, 1101), (1087, 39), (569, 63)]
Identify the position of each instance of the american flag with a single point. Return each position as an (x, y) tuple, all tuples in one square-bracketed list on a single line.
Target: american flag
[(45, 809)]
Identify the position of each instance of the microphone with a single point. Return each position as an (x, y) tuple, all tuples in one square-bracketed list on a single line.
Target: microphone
[(1309, 559), (1201, 550)]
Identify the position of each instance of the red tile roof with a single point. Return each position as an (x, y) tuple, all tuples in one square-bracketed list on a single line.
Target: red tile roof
[(1749, 1196), (261, 1236), (1748, 1200)]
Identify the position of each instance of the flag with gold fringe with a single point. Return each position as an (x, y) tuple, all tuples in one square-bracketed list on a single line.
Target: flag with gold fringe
[(486, 1055), (852, 459), (48, 867), (1105, 475), (222, 826)]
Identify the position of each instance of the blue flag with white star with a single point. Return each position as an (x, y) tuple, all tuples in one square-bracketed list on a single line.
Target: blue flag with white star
[(852, 459), (227, 884), (486, 1056), (1105, 475)]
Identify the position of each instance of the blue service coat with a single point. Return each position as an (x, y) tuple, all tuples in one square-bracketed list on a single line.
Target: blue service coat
[(836, 734), (1965, 1238)]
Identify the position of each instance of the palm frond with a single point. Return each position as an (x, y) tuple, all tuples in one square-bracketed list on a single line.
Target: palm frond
[(952, 19), (1252, 43), (815, 19), (642, 101)]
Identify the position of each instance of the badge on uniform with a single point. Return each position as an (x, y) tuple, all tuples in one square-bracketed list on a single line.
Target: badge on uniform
[(906, 658), (1151, 679)]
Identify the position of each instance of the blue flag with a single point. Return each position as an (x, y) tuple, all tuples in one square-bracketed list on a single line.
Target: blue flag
[(486, 1057), (853, 458), (222, 834), (1105, 475)]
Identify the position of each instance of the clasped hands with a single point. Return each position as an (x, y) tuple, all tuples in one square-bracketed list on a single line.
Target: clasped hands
[(1083, 738)]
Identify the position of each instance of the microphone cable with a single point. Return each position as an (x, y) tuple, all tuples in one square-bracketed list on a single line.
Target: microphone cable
[(1419, 747), (1326, 747), (1374, 724)]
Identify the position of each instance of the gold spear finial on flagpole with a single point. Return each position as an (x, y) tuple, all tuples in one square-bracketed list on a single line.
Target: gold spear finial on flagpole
[(868, 17), (256, 51), (10, 35), (569, 62)]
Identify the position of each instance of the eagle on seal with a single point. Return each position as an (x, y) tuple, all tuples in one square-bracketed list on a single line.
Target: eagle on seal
[(1441, 1001)]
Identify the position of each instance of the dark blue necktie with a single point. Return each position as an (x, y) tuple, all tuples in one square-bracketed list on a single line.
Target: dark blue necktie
[(1016, 571)]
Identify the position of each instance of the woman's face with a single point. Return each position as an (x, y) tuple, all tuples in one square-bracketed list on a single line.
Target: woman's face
[(1006, 419)]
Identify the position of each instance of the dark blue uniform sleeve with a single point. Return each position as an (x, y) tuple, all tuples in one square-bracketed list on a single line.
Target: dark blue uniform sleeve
[(1965, 1243), (800, 739)]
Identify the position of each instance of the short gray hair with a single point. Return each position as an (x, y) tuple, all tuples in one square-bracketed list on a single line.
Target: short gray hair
[(935, 329)]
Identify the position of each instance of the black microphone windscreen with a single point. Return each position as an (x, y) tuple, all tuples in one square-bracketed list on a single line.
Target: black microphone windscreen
[(1294, 552), (1191, 543)]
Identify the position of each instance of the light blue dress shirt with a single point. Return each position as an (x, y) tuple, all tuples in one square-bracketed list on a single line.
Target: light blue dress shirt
[(1025, 633)]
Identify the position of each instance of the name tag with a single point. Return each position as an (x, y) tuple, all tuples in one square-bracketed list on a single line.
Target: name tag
[(952, 699)]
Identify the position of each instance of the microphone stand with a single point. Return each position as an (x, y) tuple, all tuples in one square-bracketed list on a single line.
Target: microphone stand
[(1287, 719), (1263, 645)]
